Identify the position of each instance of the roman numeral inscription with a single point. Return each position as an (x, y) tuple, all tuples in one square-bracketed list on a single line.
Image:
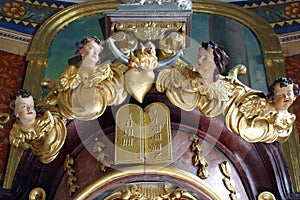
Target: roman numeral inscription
[(143, 136)]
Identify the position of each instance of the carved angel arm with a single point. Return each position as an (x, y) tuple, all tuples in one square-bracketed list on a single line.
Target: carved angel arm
[(113, 86), (44, 124), (17, 138), (176, 83), (51, 128), (100, 74), (70, 78)]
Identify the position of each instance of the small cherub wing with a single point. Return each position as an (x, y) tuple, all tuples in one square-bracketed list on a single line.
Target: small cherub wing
[(45, 123), (177, 84), (100, 74), (17, 138), (70, 78), (173, 78), (252, 106)]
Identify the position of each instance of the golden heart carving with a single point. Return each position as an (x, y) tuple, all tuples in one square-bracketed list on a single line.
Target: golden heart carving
[(139, 82)]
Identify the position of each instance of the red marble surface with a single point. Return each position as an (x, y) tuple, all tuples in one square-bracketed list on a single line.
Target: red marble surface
[(292, 64), (12, 72)]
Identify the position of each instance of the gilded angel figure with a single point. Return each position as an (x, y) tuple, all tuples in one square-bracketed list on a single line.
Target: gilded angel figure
[(43, 132), (86, 89), (257, 118), (201, 86)]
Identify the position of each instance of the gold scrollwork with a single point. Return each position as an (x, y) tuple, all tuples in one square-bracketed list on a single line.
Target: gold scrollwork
[(198, 159), (228, 182), (72, 179), (101, 155), (151, 191), (4, 118), (147, 30), (115, 175)]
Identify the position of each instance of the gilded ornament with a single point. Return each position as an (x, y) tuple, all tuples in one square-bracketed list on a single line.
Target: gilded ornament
[(154, 190), (127, 37), (4, 118), (44, 132), (143, 136), (37, 194), (146, 30), (259, 118), (227, 180), (266, 196), (171, 43), (198, 159), (72, 179), (141, 64), (98, 147), (125, 42)]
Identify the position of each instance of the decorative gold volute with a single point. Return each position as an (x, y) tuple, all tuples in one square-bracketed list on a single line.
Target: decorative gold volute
[(266, 196), (4, 118), (37, 194), (151, 191)]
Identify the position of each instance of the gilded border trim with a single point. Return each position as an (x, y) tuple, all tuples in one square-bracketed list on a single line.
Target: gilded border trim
[(146, 170)]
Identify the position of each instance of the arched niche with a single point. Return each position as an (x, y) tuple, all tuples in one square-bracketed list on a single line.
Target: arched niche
[(38, 55)]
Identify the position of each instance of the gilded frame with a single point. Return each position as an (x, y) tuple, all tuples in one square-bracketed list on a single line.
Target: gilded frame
[(37, 56), (146, 170)]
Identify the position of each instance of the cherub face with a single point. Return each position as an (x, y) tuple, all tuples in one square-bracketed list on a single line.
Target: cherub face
[(205, 64), (283, 97), (24, 110), (90, 53)]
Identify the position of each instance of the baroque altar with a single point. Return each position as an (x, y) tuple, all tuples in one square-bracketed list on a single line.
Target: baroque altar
[(146, 122)]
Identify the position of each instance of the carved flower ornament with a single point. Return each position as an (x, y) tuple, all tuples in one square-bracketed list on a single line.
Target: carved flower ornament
[(293, 10), (14, 9)]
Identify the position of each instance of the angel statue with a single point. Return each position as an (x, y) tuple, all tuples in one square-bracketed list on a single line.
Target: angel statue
[(202, 86), (87, 88), (264, 119), (43, 132), (248, 112)]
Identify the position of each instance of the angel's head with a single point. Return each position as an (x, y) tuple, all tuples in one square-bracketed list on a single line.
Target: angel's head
[(212, 60), (22, 105), (282, 93)]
